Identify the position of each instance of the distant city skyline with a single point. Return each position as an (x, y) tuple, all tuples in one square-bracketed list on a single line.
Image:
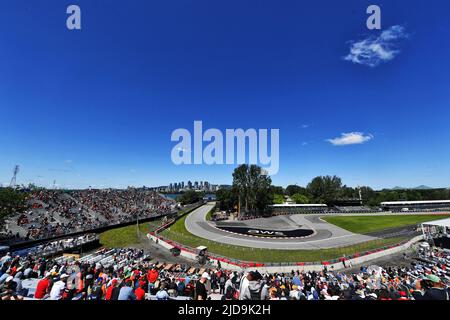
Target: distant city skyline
[(96, 107), (205, 186)]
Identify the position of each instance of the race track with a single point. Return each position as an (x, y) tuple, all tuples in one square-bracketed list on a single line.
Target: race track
[(325, 235)]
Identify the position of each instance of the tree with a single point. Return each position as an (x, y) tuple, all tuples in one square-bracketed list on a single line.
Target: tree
[(189, 197), (253, 188), (348, 193), (300, 198), (325, 189), (278, 199), (293, 189), (276, 190), (11, 201), (227, 199)]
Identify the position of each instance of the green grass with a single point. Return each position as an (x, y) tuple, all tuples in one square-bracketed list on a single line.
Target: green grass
[(368, 224), (177, 232), (210, 212), (126, 236)]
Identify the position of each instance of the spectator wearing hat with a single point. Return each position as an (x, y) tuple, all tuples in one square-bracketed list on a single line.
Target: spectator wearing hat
[(140, 291), (58, 288), (112, 293), (6, 258), (294, 294), (436, 290), (9, 290), (274, 294), (96, 290), (200, 288)]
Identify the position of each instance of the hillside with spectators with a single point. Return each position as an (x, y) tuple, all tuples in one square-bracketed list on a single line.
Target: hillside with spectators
[(49, 213)]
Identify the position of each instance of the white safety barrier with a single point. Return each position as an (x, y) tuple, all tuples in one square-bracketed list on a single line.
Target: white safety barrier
[(288, 268)]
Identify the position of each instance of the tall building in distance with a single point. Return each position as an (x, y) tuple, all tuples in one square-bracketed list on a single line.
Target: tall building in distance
[(182, 186)]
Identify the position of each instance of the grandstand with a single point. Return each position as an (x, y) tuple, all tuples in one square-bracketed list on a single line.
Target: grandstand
[(354, 209), (51, 213), (289, 208), (428, 205), (61, 246), (438, 232)]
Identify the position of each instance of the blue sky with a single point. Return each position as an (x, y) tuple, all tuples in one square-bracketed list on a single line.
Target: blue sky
[(97, 107)]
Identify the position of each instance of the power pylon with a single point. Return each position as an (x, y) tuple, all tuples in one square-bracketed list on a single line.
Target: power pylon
[(13, 182)]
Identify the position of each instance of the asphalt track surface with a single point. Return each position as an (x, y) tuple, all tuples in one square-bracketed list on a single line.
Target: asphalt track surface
[(325, 235)]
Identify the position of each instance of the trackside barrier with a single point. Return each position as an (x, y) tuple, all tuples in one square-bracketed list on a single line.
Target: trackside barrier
[(335, 264), (172, 221), (234, 264)]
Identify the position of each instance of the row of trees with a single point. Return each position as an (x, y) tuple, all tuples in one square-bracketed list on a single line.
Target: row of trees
[(11, 201), (330, 190), (253, 193), (324, 189), (253, 188), (189, 197)]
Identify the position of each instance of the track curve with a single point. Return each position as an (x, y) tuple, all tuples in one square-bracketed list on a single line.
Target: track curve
[(325, 235)]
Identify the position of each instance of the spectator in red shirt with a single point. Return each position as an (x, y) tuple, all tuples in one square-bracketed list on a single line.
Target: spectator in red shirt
[(152, 275), (43, 286), (140, 292), (110, 291)]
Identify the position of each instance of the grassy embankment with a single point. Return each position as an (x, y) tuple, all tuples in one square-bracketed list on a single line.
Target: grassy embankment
[(178, 233), (129, 235), (368, 224)]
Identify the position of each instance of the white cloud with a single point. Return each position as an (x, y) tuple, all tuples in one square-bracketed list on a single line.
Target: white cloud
[(68, 161), (350, 138), (375, 50), (304, 144), (305, 126)]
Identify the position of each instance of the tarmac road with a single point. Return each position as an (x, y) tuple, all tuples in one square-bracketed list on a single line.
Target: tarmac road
[(326, 235)]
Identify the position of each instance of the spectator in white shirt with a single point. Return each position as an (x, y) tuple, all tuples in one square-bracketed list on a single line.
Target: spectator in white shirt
[(58, 288)]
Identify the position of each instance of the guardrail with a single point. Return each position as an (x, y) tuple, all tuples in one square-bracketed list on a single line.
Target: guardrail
[(168, 244), (249, 264), (172, 221)]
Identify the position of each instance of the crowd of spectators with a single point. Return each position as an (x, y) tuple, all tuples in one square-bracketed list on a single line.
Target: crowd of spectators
[(55, 212), (130, 274)]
